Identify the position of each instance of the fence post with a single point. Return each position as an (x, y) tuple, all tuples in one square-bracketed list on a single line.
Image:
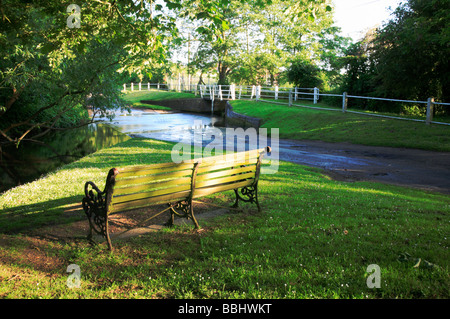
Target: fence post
[(290, 97), (296, 95), (233, 91), (132, 86), (253, 92), (316, 95), (276, 92), (212, 101), (430, 107), (344, 102), (124, 87), (258, 92), (139, 86), (240, 91), (157, 86)]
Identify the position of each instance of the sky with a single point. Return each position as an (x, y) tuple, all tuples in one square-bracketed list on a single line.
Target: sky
[(355, 17)]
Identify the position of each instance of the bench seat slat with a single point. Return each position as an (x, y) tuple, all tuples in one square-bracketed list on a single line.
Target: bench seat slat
[(228, 172), (153, 178), (163, 199)]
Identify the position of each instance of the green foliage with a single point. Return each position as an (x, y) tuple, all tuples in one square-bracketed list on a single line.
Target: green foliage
[(259, 37), (304, 74), (50, 69), (412, 51), (406, 59)]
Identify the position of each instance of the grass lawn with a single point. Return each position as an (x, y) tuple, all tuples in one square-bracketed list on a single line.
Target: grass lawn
[(134, 99), (314, 239), (334, 126)]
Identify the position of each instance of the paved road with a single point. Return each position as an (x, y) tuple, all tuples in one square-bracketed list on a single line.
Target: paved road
[(406, 167)]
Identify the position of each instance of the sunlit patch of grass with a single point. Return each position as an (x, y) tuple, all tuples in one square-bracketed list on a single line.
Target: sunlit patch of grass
[(310, 124)]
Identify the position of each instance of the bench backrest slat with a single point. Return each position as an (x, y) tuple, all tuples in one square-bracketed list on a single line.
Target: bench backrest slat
[(150, 166), (227, 172), (223, 180), (231, 157), (163, 199), (152, 178), (207, 167), (153, 185), (148, 194), (199, 192), (151, 170)]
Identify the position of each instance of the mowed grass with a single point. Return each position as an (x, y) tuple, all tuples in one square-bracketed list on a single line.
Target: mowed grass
[(314, 238), (134, 98), (334, 126)]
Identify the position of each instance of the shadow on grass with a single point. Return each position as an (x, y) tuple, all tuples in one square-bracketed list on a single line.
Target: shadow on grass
[(53, 212)]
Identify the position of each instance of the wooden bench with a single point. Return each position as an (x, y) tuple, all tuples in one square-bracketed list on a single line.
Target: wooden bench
[(176, 185)]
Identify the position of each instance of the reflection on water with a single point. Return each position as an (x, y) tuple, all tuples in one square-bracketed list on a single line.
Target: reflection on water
[(32, 160), (173, 127), (195, 129)]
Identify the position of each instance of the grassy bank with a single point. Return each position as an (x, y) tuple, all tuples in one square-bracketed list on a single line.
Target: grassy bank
[(334, 126), (134, 99), (314, 239)]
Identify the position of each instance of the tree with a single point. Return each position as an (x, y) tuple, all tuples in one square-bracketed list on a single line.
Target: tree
[(55, 66), (303, 73), (255, 34), (411, 51), (285, 29), (360, 68), (219, 44)]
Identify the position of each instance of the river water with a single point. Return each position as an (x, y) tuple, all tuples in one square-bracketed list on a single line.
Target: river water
[(31, 161), (172, 126)]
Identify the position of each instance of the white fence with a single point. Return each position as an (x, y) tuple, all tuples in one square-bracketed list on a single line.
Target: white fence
[(231, 92), (277, 95)]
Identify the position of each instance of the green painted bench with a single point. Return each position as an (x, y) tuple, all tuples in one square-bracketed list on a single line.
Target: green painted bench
[(176, 185)]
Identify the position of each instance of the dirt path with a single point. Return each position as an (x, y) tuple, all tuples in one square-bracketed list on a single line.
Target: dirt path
[(343, 161)]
